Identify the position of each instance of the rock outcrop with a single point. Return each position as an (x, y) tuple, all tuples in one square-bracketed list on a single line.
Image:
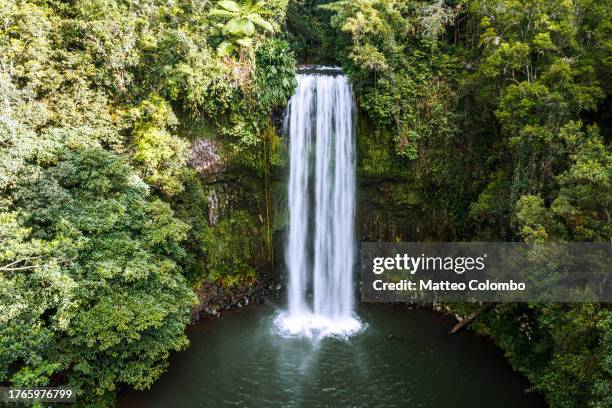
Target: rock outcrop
[(205, 158)]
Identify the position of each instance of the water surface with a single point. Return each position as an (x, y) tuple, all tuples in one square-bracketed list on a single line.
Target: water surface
[(403, 359)]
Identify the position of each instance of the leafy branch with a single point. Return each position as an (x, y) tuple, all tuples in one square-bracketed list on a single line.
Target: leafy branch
[(240, 24)]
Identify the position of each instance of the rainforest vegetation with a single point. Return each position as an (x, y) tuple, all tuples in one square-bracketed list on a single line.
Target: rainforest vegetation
[(498, 112)]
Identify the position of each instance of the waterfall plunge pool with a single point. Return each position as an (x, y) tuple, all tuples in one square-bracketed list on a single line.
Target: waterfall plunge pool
[(403, 359), (323, 353)]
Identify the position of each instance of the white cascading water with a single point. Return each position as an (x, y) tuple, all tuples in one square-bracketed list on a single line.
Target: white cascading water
[(321, 115)]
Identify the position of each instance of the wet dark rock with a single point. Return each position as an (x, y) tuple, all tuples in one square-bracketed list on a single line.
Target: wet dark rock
[(214, 297), (213, 208)]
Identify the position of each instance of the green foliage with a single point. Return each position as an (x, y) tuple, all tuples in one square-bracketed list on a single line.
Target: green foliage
[(390, 51), (311, 35), (235, 97), (227, 239), (490, 105), (535, 220), (492, 111), (375, 155), (584, 200), (580, 210), (161, 155), (93, 262), (558, 347), (275, 73), (227, 248), (550, 178), (536, 78), (241, 21), (96, 268)]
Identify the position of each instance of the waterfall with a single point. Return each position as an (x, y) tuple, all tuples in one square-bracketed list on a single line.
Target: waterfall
[(321, 243)]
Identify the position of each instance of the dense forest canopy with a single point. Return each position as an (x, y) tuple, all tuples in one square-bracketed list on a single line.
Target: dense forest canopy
[(498, 111), (96, 268)]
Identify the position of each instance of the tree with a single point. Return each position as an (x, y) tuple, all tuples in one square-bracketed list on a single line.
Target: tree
[(161, 155), (99, 102), (93, 261)]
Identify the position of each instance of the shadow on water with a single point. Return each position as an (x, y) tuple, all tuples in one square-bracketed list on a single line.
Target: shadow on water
[(403, 359)]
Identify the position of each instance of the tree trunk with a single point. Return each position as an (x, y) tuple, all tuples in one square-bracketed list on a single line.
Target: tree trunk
[(483, 308)]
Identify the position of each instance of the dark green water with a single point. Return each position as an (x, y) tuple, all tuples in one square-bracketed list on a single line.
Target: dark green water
[(403, 359)]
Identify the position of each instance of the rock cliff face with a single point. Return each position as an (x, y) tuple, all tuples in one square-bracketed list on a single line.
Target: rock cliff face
[(390, 204), (205, 158), (393, 211), (390, 207), (240, 262)]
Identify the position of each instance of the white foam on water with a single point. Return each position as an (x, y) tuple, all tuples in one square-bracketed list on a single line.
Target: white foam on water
[(316, 327)]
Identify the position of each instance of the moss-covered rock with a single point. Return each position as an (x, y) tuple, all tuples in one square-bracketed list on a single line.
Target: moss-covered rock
[(392, 204), (376, 157)]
